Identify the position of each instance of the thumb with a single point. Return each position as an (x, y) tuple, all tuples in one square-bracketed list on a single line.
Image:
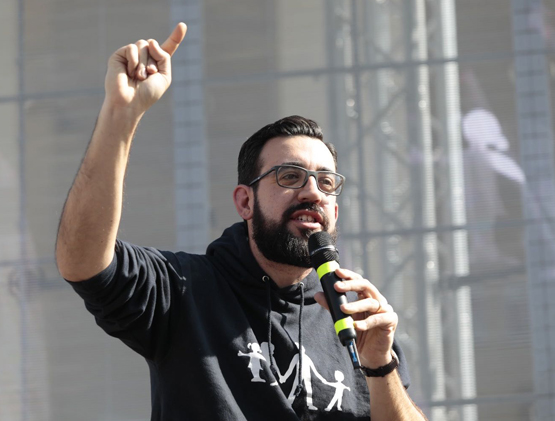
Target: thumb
[(173, 41)]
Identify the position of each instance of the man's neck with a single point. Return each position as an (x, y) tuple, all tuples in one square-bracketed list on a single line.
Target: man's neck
[(282, 274)]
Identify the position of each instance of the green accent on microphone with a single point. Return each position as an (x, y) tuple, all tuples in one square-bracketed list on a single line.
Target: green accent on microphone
[(327, 267), (345, 323)]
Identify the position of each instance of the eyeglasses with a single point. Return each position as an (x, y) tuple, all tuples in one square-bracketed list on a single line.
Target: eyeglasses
[(293, 177)]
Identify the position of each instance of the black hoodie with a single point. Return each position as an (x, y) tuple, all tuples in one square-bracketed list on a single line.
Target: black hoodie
[(203, 323)]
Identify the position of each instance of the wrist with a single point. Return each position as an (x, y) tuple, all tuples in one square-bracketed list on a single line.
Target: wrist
[(114, 131), (376, 359), (113, 110), (384, 369)]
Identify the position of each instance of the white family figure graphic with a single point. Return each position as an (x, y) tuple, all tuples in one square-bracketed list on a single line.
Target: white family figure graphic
[(262, 353), (255, 356), (339, 389)]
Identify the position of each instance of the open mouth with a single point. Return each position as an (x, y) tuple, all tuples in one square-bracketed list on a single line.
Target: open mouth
[(307, 217)]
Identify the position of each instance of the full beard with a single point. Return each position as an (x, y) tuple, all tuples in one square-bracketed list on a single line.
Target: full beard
[(277, 243)]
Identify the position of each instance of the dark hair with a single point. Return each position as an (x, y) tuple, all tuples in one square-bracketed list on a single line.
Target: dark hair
[(249, 166)]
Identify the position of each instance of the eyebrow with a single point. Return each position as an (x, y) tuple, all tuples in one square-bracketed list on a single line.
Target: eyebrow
[(300, 164)]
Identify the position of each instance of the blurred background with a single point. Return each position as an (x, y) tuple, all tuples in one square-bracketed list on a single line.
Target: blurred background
[(441, 111)]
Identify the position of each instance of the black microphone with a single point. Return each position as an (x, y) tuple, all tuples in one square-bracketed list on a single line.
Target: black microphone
[(325, 259)]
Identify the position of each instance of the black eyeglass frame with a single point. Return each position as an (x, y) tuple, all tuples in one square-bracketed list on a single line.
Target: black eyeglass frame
[(308, 174)]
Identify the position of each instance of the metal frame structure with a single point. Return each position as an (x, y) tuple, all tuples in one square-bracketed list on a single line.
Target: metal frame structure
[(382, 101), (192, 207), (535, 125), (379, 72)]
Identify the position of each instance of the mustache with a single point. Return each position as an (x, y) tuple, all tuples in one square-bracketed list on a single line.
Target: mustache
[(311, 207)]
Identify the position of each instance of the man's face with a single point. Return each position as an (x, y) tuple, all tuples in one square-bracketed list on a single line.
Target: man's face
[(283, 219)]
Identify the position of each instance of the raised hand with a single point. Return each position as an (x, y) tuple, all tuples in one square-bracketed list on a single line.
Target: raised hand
[(139, 74)]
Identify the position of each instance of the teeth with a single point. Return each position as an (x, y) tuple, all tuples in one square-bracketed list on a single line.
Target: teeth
[(305, 218)]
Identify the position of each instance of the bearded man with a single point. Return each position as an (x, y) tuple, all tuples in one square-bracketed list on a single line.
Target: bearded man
[(241, 332)]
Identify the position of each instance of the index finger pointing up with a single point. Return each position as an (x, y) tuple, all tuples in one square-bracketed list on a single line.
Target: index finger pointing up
[(173, 41)]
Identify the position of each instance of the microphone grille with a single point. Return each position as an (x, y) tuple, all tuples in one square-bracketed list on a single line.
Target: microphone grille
[(322, 249)]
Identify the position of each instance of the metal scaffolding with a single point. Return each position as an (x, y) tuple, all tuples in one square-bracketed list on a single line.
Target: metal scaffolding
[(535, 125), (390, 155)]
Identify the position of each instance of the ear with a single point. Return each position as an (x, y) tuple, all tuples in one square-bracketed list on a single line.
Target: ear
[(336, 211), (244, 200)]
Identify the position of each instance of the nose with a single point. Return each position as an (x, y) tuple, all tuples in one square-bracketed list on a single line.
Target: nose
[(310, 192)]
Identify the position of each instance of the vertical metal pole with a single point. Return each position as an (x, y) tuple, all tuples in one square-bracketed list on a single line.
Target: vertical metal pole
[(335, 126), (423, 191), (192, 204), (23, 235), (387, 168), (450, 116), (535, 127), (362, 176)]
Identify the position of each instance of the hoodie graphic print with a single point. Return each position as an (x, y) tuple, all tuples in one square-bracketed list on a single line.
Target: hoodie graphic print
[(309, 372), (222, 341)]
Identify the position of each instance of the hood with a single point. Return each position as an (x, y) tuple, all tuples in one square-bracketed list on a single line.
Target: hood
[(232, 254)]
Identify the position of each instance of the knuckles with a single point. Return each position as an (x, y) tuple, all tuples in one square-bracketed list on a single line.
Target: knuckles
[(141, 43), (388, 309)]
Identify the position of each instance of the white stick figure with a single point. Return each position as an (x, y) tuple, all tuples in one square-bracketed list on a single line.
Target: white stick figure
[(339, 389), (307, 368), (266, 351), (255, 358)]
